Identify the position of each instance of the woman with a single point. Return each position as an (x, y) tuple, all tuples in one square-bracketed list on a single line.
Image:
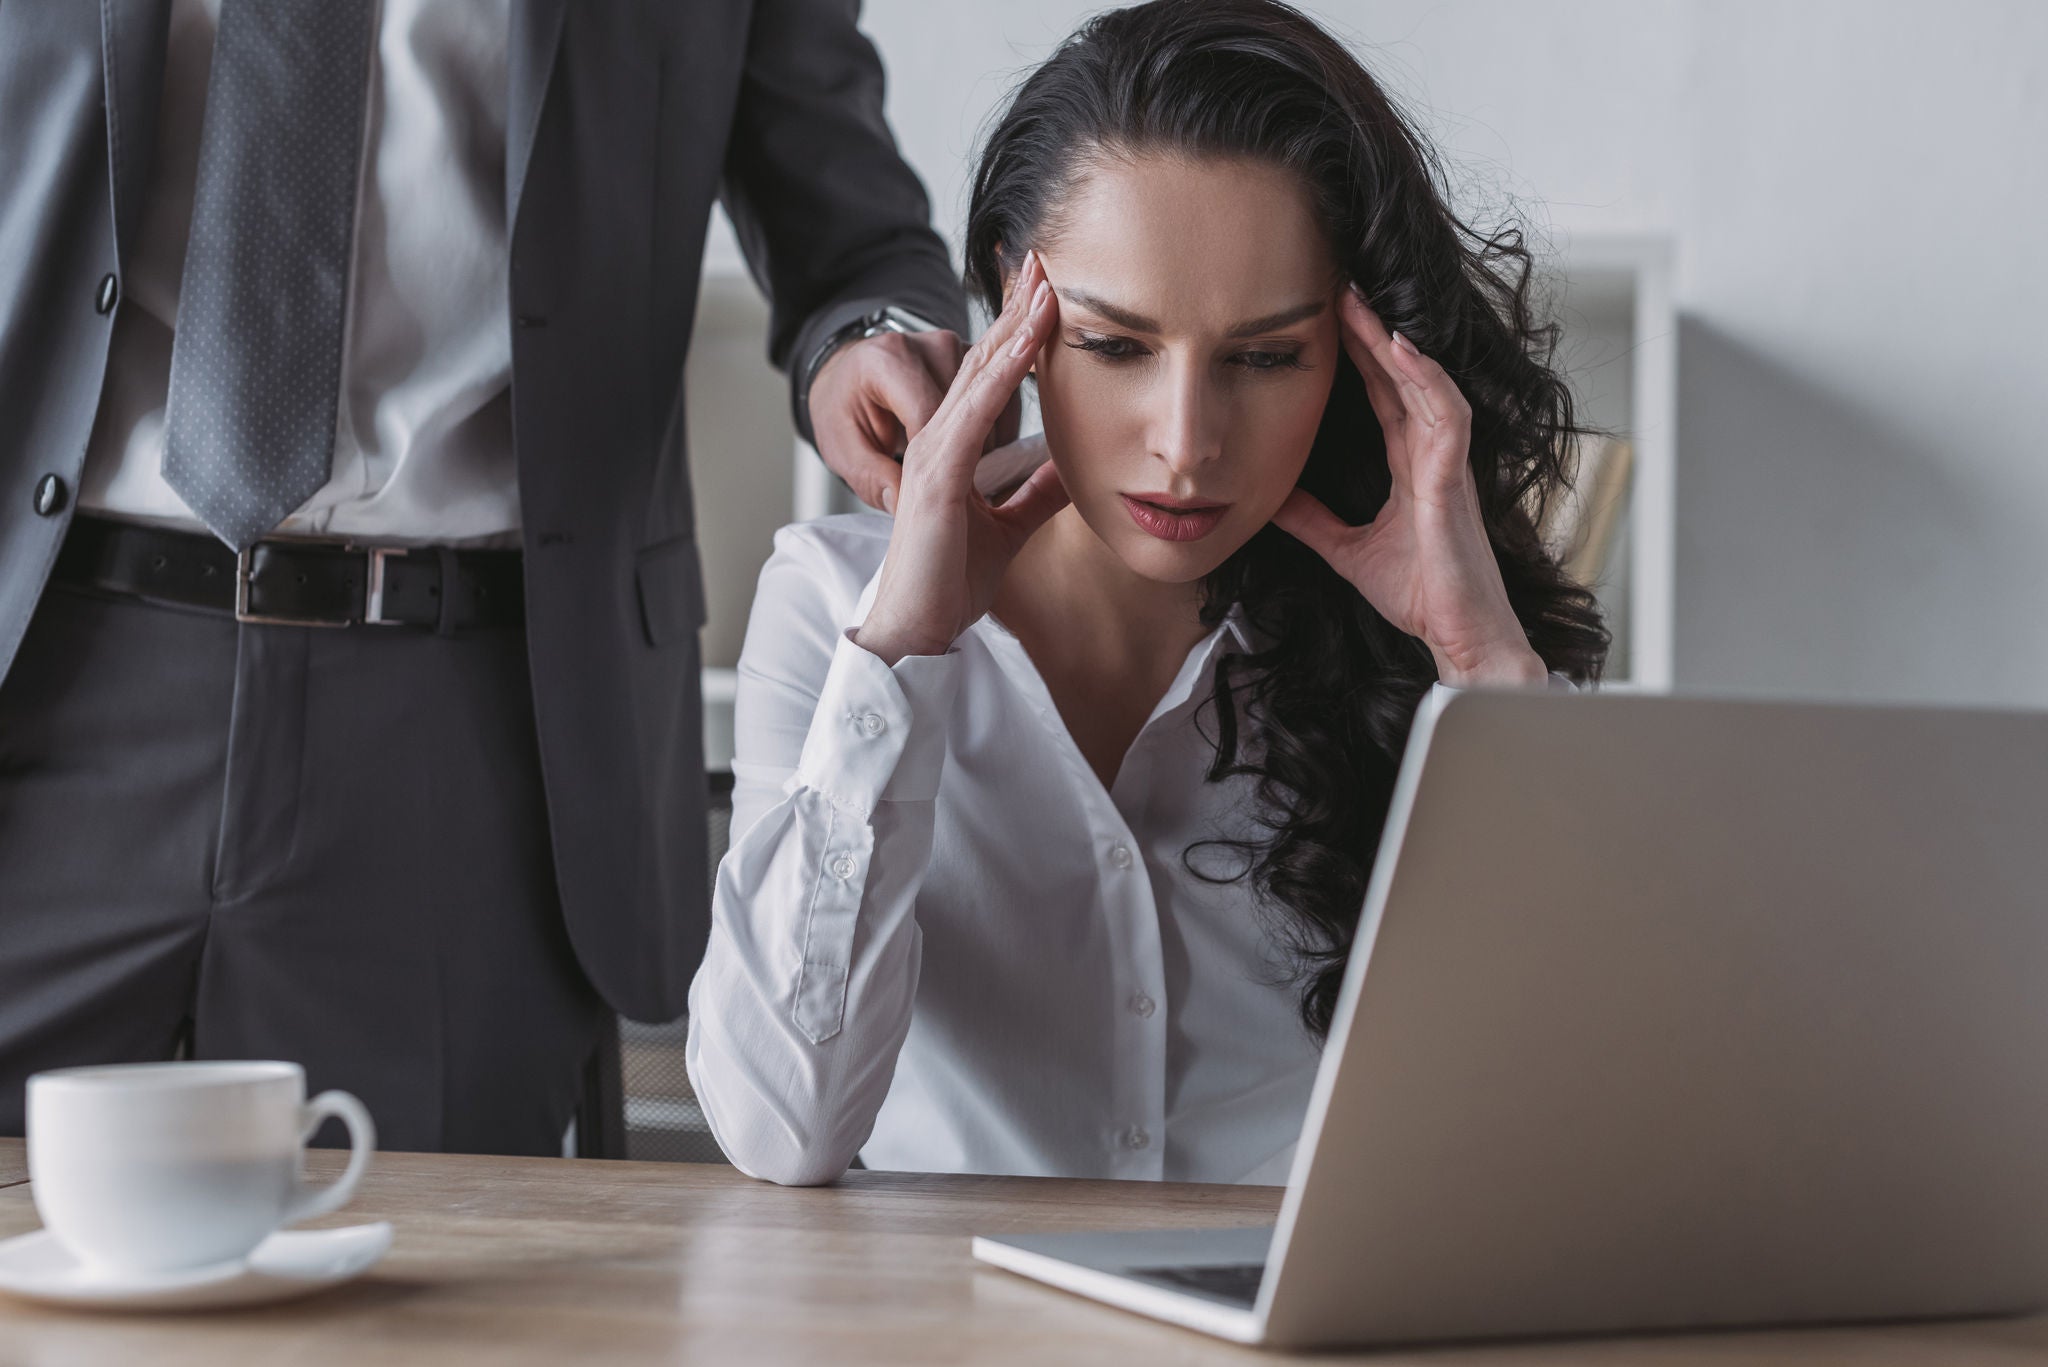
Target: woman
[(1053, 826)]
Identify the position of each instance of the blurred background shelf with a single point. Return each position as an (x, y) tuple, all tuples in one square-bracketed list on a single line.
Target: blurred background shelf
[(1613, 297)]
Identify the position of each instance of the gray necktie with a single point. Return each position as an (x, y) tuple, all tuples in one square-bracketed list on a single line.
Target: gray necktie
[(256, 359)]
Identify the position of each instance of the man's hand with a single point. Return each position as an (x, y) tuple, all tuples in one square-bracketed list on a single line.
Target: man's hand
[(874, 395), (949, 545)]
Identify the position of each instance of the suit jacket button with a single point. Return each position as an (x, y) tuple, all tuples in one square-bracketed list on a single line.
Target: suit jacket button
[(49, 495), (109, 295)]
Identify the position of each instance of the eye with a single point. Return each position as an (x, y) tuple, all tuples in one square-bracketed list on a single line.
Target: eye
[(1108, 348), (1269, 360)]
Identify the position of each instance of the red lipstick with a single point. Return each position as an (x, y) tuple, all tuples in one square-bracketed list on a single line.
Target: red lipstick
[(1174, 519)]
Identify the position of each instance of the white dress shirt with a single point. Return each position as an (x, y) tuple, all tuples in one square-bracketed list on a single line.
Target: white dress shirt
[(939, 942), (423, 442)]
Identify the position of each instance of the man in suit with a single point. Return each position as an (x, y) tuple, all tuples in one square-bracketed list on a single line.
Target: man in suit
[(349, 599)]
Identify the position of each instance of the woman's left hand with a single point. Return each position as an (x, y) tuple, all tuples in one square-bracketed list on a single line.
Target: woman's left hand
[(1424, 562)]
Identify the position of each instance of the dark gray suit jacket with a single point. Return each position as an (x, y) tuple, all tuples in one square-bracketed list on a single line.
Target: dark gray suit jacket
[(626, 119)]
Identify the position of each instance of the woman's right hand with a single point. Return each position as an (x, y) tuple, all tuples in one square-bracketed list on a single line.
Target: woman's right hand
[(950, 545)]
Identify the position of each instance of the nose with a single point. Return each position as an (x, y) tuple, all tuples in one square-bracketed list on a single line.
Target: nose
[(1187, 431)]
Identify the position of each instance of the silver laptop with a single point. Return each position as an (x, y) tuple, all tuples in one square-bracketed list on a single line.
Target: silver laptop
[(1663, 1013)]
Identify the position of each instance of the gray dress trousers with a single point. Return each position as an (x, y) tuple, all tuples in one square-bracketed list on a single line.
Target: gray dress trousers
[(259, 841)]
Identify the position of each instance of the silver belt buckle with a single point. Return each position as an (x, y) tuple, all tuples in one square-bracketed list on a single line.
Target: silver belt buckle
[(373, 596)]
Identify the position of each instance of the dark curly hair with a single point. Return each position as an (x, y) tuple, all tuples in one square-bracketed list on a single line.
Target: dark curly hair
[(1321, 715)]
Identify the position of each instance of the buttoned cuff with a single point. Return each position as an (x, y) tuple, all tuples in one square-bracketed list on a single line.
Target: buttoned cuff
[(879, 734)]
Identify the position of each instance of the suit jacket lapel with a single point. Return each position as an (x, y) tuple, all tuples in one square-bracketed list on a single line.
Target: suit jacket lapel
[(132, 34), (536, 34)]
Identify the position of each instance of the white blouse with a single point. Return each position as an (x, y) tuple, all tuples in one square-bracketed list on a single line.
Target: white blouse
[(940, 943)]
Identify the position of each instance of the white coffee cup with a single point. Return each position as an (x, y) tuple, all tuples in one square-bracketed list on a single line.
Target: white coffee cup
[(159, 1167)]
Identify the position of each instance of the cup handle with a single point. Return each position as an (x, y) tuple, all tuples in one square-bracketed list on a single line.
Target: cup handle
[(310, 1200)]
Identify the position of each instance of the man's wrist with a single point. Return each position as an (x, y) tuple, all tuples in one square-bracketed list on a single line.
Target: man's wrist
[(889, 318)]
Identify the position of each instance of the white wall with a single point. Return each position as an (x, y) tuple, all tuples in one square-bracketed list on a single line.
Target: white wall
[(1857, 191)]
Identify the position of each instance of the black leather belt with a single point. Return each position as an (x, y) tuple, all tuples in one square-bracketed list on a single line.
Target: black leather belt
[(296, 583)]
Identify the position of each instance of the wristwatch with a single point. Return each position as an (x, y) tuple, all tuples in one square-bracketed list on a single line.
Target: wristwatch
[(870, 324)]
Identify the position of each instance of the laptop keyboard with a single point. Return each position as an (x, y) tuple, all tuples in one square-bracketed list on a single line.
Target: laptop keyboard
[(1237, 1283)]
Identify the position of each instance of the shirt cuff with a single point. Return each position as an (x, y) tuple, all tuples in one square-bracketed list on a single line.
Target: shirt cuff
[(879, 734), (1556, 683)]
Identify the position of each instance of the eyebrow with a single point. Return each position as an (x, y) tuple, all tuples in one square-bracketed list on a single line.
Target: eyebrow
[(1138, 322)]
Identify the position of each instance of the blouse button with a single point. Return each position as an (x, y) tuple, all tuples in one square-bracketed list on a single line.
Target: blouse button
[(1137, 1137), (873, 724), (49, 496), (1120, 855), (1141, 1005), (844, 867)]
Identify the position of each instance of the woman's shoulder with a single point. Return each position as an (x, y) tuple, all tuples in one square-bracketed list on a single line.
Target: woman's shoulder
[(832, 557), (810, 588), (850, 540)]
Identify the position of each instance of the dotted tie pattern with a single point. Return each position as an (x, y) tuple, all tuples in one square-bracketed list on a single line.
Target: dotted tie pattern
[(256, 357)]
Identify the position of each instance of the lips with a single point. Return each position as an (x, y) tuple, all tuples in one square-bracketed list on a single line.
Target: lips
[(1174, 519)]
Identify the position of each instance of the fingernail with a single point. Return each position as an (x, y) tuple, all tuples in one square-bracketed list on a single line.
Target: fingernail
[(1405, 345), (1038, 295), (1023, 342), (888, 500)]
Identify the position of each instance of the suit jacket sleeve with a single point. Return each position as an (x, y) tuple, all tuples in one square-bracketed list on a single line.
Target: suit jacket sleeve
[(832, 220)]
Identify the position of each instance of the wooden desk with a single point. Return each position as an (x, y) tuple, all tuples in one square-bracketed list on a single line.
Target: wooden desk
[(517, 1261)]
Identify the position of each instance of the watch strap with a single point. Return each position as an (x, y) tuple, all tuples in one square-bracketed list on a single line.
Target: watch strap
[(888, 318)]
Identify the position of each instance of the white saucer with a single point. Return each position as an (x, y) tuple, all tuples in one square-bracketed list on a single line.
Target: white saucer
[(288, 1263)]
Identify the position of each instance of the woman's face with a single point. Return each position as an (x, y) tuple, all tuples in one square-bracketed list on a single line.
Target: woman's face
[(1196, 346)]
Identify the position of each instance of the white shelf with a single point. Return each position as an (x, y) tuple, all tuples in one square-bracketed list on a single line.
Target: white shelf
[(720, 687), (1618, 309)]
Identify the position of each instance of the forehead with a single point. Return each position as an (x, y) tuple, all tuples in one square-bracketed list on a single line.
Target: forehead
[(1196, 243)]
